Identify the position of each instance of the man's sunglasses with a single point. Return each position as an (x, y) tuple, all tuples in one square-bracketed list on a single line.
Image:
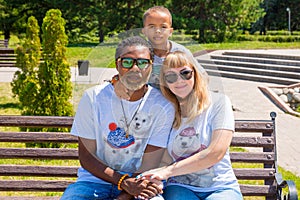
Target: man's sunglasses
[(128, 63), (185, 74)]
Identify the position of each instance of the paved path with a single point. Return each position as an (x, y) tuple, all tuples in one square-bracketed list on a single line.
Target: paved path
[(249, 103)]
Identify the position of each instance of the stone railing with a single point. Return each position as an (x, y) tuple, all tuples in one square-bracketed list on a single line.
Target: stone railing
[(286, 98)]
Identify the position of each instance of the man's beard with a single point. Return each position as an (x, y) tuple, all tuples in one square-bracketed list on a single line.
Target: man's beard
[(134, 85)]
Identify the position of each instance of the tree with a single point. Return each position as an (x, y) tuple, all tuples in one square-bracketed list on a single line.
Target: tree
[(54, 73), (215, 20), (277, 16), (25, 84)]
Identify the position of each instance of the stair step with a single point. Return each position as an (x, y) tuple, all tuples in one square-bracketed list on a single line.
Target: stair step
[(251, 59), (252, 77), (252, 65), (264, 72), (262, 55)]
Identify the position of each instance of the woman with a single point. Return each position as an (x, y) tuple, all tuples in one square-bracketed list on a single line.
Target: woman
[(200, 138)]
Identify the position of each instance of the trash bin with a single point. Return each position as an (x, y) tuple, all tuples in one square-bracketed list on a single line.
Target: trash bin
[(83, 67)]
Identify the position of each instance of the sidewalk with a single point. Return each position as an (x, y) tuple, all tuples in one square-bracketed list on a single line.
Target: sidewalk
[(248, 102)]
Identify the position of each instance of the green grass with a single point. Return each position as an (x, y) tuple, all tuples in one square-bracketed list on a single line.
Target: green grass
[(102, 55)]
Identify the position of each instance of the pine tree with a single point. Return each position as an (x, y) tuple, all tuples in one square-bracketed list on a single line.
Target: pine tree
[(54, 73), (25, 83)]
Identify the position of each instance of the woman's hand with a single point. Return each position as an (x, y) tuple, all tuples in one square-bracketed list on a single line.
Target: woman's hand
[(158, 174)]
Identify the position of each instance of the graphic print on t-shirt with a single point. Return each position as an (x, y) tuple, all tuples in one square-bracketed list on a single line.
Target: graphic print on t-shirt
[(186, 144), (125, 153), (117, 137)]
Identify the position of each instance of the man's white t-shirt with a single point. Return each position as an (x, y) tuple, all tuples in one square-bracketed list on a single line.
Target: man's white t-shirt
[(194, 137), (104, 117)]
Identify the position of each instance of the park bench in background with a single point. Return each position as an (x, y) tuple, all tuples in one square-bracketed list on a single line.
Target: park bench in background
[(258, 134), (4, 43), (7, 57)]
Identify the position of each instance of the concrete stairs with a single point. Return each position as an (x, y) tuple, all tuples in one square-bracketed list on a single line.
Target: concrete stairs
[(261, 67)]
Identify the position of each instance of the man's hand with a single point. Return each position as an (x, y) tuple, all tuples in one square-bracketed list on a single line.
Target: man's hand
[(153, 189), (143, 188)]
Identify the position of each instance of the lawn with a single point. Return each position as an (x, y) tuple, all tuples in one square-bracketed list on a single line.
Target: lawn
[(103, 54)]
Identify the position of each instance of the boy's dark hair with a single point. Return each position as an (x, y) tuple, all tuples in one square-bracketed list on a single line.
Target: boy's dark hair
[(133, 41), (157, 9)]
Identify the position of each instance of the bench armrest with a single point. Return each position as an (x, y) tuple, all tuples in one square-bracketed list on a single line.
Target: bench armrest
[(292, 190)]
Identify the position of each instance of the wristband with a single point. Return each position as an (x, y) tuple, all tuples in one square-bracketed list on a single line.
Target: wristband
[(121, 180), (114, 79)]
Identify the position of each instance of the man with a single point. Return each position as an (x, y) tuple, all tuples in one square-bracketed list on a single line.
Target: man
[(120, 138)]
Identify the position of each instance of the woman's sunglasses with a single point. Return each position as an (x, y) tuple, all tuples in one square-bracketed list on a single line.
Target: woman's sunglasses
[(128, 63), (185, 74)]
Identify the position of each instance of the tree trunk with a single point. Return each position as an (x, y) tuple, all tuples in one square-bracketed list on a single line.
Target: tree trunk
[(6, 34), (201, 35), (101, 35)]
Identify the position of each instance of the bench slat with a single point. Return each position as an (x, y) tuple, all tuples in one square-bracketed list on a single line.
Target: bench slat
[(66, 137), (254, 173), (258, 190), (43, 171), (30, 198), (39, 153), (253, 141), (62, 171), (253, 157), (46, 153), (7, 64), (59, 186), (37, 137), (29, 185), (265, 126), (36, 121)]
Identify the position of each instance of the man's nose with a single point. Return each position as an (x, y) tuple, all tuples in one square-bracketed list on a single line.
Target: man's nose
[(135, 67)]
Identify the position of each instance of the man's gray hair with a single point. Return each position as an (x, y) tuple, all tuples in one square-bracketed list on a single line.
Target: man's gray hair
[(133, 41)]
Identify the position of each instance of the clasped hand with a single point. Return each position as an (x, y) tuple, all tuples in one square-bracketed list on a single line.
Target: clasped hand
[(143, 189)]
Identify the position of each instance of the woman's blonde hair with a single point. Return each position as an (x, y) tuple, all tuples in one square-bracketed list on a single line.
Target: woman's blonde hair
[(198, 100)]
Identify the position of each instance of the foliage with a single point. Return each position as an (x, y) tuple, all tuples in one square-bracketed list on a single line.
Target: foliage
[(25, 84), (277, 15), (54, 73), (95, 20), (269, 38), (44, 88), (216, 21)]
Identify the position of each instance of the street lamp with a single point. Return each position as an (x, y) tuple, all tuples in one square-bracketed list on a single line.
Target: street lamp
[(289, 12)]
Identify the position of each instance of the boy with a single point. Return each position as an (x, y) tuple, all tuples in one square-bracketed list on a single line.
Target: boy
[(157, 22)]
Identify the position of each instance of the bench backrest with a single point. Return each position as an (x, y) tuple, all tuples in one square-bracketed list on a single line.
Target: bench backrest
[(256, 139), (4, 43)]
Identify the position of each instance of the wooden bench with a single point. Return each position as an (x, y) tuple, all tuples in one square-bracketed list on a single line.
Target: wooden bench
[(255, 134), (4, 43), (7, 57)]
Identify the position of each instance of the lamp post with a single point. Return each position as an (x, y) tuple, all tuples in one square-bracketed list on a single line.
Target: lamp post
[(289, 21)]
